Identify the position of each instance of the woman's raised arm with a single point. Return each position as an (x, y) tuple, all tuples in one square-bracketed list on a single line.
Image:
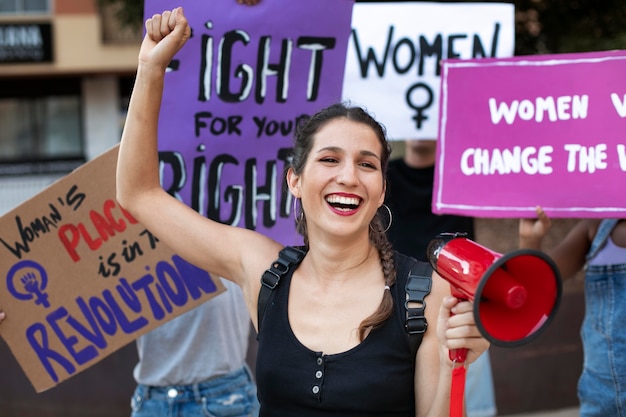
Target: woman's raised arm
[(235, 253)]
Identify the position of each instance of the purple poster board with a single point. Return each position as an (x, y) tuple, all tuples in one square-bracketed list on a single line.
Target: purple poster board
[(542, 130), (232, 100)]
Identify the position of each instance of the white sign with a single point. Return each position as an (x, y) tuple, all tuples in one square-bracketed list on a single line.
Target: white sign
[(395, 52)]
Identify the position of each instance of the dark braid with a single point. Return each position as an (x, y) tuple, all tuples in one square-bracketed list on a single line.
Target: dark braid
[(385, 251), (302, 148)]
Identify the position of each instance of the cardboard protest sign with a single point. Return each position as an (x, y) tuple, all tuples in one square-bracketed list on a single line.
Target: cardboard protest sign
[(233, 97), (81, 277), (395, 51), (540, 130)]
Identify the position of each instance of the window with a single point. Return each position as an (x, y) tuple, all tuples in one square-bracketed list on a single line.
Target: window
[(24, 6), (126, 87), (41, 126)]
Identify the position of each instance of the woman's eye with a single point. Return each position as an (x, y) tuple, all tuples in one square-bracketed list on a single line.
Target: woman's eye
[(328, 159)]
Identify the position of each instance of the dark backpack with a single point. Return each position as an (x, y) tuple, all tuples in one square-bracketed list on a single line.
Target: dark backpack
[(417, 287)]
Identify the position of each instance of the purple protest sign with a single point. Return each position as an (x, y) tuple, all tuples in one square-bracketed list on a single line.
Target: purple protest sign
[(542, 130), (233, 97)]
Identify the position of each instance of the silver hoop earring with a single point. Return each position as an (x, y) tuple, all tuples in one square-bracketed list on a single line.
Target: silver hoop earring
[(390, 219), (296, 217)]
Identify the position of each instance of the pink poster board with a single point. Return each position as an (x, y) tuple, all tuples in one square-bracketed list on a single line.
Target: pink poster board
[(542, 130)]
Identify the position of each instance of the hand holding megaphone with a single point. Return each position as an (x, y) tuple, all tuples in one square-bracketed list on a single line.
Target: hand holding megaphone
[(515, 295)]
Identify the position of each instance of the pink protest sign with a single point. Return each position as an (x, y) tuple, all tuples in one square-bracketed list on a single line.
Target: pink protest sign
[(233, 98), (543, 130)]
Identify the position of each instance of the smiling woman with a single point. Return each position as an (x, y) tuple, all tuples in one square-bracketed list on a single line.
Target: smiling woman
[(339, 306), (349, 177)]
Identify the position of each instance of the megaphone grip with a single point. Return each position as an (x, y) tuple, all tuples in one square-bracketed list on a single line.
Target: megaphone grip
[(457, 391), (457, 355)]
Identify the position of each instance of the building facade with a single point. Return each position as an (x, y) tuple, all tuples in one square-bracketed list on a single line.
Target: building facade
[(66, 70)]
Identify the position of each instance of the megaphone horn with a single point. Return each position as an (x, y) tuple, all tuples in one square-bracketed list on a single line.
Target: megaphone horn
[(515, 295)]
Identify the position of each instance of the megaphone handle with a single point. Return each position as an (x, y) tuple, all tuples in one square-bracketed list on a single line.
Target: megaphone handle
[(457, 355), (457, 389)]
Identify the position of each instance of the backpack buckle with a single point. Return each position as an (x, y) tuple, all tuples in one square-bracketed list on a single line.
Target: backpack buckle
[(416, 324), (270, 279)]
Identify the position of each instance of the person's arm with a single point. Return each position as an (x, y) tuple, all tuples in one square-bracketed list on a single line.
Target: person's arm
[(569, 254), (455, 329), (235, 253)]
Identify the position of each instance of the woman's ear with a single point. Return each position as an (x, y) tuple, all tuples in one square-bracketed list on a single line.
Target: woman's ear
[(384, 193), (293, 182)]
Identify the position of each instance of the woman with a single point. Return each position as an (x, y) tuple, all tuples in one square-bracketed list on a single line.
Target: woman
[(339, 301), (599, 247)]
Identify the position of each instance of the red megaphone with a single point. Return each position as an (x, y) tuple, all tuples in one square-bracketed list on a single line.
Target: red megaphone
[(515, 295)]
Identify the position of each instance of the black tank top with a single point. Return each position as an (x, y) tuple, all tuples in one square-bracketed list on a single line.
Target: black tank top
[(375, 378)]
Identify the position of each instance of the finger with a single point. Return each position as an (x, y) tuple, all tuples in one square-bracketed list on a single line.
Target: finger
[(153, 28), (545, 220), (172, 19), (148, 27), (463, 307), (461, 329), (181, 25), (476, 345), (449, 302), (445, 310), (164, 28), (462, 325)]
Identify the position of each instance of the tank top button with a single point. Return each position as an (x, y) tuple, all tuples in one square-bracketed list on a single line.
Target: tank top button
[(315, 389), (172, 393), (320, 360), (318, 374)]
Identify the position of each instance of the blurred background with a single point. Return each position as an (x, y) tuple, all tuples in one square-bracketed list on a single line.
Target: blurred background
[(66, 72)]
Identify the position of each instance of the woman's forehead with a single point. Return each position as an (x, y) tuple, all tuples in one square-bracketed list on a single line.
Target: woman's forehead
[(346, 134)]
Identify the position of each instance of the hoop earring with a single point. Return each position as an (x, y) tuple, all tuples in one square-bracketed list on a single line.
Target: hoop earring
[(296, 217), (390, 219)]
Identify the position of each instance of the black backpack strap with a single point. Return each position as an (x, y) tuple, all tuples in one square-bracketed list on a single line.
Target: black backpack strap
[(287, 257), (418, 286)]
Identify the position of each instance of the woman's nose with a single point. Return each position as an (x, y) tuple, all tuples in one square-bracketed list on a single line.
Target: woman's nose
[(347, 174)]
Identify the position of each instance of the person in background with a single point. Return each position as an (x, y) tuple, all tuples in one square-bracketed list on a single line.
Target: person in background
[(597, 246), (409, 196), (338, 308), (195, 364)]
